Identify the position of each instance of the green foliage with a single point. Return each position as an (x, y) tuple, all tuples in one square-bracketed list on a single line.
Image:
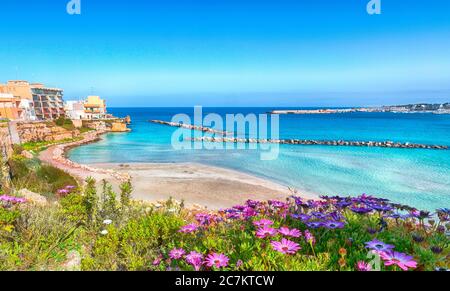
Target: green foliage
[(125, 194), (85, 129), (32, 175), (109, 206), (65, 123), (38, 146), (90, 200), (56, 178)]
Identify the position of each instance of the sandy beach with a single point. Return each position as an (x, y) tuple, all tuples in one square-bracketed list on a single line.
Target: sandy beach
[(198, 184)]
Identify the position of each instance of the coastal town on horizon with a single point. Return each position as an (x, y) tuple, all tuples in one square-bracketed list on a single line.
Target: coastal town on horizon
[(25, 101)]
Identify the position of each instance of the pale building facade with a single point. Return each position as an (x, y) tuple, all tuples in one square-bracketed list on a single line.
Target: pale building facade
[(35, 101), (95, 108), (75, 110)]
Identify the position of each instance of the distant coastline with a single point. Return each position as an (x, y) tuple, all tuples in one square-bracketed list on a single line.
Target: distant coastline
[(443, 108)]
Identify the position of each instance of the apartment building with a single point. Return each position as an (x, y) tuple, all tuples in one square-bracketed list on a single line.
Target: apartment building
[(35, 100), (95, 108), (48, 102)]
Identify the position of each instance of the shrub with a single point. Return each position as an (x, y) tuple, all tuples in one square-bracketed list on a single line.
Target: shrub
[(44, 179), (56, 178)]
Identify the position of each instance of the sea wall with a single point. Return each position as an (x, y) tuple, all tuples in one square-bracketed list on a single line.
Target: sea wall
[(43, 131), (193, 127), (383, 144)]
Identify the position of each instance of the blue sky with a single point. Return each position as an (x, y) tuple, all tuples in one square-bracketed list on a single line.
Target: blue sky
[(232, 52)]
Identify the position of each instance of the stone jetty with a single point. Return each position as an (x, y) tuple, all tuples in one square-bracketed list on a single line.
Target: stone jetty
[(192, 127), (383, 144), (227, 139)]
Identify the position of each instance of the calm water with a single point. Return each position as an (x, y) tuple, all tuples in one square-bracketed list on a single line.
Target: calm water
[(416, 177)]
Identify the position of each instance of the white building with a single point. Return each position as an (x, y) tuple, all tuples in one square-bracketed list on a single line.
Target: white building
[(75, 109), (27, 110)]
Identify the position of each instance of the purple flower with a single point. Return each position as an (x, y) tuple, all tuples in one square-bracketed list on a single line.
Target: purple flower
[(233, 215), (277, 204), (302, 217), (379, 246), (249, 212), (289, 232), (343, 204), (309, 238), (265, 231), (203, 218), (314, 224), (414, 213), (298, 200), (176, 254), (12, 199), (217, 260), (380, 207), (263, 222), (361, 210), (253, 203), (333, 224), (239, 263), (285, 246), (363, 266), (443, 214), (195, 259), (336, 216), (402, 260), (189, 228), (319, 215)]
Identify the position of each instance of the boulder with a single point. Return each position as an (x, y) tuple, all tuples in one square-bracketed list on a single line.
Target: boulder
[(33, 197)]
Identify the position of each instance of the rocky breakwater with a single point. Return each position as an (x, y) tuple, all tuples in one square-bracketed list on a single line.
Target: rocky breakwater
[(192, 127), (383, 144), (59, 157)]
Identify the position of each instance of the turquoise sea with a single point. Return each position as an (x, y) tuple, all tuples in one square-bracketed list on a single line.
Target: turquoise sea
[(420, 178)]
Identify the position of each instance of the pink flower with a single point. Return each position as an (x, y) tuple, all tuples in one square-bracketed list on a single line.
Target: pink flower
[(239, 263), (157, 261), (12, 199), (289, 232), (400, 259), (263, 222), (265, 231), (286, 246), (363, 266), (217, 260), (176, 254), (195, 259), (189, 228), (249, 212), (309, 237)]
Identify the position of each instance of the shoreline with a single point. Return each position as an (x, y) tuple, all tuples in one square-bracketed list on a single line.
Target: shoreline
[(195, 184)]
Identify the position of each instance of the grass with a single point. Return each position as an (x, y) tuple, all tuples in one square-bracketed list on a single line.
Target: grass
[(111, 232), (32, 175), (40, 146)]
